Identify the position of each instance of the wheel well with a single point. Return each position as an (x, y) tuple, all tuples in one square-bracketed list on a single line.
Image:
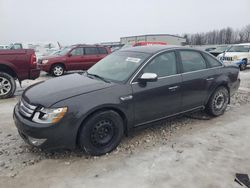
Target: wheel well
[(221, 85), (123, 116), (8, 70), (244, 59)]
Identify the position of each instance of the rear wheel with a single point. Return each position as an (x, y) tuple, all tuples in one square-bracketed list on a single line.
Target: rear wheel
[(101, 133), (218, 102), (57, 70), (7, 85)]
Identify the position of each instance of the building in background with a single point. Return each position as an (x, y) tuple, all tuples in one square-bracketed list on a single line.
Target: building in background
[(169, 39)]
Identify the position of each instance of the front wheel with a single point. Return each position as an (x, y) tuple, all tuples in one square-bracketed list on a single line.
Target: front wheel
[(57, 70), (218, 102), (7, 85), (243, 66), (101, 133)]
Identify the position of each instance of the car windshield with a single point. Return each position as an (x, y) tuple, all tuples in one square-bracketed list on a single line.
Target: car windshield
[(64, 51), (119, 66), (239, 49), (221, 48)]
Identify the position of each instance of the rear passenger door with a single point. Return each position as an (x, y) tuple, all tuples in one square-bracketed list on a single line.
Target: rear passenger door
[(197, 78), (102, 52), (91, 56)]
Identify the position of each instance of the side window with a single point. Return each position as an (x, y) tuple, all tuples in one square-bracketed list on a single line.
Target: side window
[(77, 52), (102, 50), (162, 65), (192, 61), (91, 51), (212, 61), (17, 46)]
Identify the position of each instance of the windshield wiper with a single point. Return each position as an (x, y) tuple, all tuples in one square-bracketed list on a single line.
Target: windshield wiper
[(97, 76)]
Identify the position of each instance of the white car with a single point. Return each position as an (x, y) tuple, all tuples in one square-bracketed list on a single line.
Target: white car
[(3, 47), (238, 54)]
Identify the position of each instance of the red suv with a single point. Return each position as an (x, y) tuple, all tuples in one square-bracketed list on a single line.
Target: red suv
[(76, 57)]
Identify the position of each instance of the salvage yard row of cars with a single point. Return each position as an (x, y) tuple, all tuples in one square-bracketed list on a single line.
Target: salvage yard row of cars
[(125, 90)]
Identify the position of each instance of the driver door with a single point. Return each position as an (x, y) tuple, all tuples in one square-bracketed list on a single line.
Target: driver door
[(156, 100)]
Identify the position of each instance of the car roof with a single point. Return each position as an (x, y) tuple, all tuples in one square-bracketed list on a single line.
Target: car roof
[(242, 44), (86, 45), (153, 48)]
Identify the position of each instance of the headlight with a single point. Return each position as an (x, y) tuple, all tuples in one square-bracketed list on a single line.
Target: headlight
[(47, 116), (45, 61), (235, 58)]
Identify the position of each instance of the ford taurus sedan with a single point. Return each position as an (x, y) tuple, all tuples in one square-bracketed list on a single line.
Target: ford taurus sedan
[(128, 89)]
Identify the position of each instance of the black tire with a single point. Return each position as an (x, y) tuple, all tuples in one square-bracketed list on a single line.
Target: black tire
[(243, 66), (7, 85), (57, 70), (101, 133), (218, 102)]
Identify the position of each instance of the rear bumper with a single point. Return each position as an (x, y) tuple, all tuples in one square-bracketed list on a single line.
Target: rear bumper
[(34, 74), (234, 87)]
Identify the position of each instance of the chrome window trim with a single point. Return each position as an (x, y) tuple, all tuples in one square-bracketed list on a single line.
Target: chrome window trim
[(161, 77), (170, 50), (203, 70)]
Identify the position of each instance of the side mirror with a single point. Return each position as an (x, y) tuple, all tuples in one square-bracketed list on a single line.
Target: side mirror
[(148, 77), (69, 54)]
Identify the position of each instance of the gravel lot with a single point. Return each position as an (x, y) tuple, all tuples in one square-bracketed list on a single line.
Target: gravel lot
[(194, 150)]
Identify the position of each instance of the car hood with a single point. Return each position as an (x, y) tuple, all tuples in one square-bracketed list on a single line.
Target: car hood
[(232, 54), (54, 90)]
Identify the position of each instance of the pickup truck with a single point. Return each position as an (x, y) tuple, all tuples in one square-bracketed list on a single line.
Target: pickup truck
[(16, 65)]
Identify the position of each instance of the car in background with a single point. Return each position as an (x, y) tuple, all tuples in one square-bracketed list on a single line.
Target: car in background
[(238, 54), (3, 47), (218, 50), (210, 49), (41, 48), (76, 57), (126, 90), (145, 43), (16, 65)]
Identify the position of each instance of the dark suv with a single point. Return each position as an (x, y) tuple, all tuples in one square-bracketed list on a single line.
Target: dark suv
[(128, 89), (76, 57)]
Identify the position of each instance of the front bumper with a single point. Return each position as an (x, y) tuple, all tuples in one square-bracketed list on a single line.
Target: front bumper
[(56, 136), (44, 67), (237, 62)]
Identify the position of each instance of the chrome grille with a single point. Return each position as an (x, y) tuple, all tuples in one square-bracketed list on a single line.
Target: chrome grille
[(26, 109), (227, 58)]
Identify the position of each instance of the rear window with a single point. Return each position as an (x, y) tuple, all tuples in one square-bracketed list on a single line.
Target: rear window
[(91, 51), (192, 61), (102, 50), (212, 61)]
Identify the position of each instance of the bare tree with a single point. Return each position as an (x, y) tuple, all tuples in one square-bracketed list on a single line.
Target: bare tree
[(247, 33)]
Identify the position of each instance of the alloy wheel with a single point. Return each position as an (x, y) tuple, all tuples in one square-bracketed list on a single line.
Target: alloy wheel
[(58, 70), (5, 86)]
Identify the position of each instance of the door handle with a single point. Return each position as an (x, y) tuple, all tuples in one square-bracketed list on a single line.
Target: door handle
[(210, 79), (173, 88)]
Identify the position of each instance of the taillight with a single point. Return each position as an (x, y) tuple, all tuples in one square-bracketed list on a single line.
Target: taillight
[(33, 59)]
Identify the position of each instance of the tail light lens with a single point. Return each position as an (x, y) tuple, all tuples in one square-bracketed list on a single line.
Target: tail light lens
[(33, 59)]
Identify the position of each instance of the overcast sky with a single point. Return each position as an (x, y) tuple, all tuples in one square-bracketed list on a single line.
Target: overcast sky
[(93, 21)]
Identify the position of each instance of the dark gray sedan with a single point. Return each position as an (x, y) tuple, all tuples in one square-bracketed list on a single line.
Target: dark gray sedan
[(128, 89)]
